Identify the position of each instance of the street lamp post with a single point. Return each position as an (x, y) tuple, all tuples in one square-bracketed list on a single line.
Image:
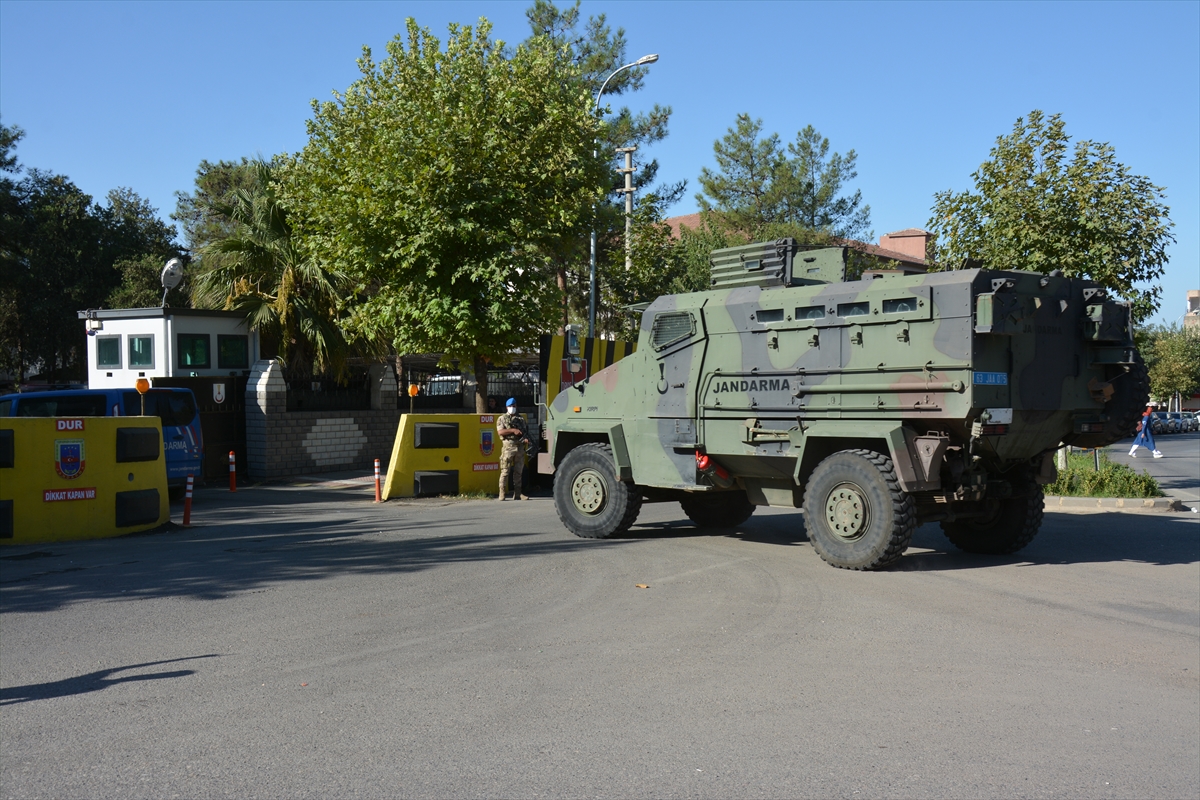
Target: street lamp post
[(650, 59)]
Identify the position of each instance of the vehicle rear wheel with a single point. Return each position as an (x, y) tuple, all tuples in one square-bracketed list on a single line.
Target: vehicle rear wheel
[(856, 514), (1131, 392), (589, 498), (1012, 523), (717, 509)]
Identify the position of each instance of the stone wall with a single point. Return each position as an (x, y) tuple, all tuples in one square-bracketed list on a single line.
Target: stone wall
[(280, 443)]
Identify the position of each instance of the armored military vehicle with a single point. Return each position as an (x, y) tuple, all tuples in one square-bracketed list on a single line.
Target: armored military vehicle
[(875, 404)]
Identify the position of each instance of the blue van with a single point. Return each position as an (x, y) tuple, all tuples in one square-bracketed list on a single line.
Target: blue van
[(183, 442)]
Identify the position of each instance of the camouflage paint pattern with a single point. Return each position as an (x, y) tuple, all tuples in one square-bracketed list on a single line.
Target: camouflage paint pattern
[(950, 374)]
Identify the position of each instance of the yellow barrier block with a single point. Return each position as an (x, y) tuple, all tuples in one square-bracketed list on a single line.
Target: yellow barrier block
[(444, 454), (80, 478)]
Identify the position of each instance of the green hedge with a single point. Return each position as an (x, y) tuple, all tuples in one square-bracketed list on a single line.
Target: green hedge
[(1080, 479)]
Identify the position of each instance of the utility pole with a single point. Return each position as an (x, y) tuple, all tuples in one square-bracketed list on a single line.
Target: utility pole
[(628, 190), (641, 62)]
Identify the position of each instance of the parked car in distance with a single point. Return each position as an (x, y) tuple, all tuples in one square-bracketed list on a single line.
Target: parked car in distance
[(1159, 423), (183, 442)]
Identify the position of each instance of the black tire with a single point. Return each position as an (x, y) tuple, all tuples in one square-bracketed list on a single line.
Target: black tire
[(1013, 523), (1131, 392), (589, 498), (717, 509), (856, 514)]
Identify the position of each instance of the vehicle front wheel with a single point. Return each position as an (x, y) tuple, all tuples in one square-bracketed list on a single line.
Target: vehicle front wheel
[(717, 509), (856, 514), (589, 498)]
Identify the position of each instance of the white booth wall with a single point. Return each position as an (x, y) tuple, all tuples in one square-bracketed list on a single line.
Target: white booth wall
[(132, 343)]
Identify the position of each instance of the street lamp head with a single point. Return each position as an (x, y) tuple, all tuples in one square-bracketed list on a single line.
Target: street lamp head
[(650, 59)]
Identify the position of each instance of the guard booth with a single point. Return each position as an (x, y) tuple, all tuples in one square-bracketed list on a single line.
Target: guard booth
[(209, 352), (222, 406)]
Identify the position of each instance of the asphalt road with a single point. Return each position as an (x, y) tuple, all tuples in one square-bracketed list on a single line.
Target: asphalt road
[(303, 642), (1177, 472)]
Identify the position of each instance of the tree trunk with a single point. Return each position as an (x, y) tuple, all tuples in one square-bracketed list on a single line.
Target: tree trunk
[(566, 309), (481, 383)]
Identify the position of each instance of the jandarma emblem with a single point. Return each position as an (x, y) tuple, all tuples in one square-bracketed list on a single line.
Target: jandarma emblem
[(68, 458), (485, 442)]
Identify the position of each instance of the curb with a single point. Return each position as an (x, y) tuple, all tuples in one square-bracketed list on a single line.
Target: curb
[(1154, 505)]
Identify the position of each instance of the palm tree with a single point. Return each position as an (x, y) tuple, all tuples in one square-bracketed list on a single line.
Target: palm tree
[(260, 270)]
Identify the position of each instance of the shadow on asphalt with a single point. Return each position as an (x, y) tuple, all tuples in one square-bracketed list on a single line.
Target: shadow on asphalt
[(237, 548), (1158, 539), (91, 682), (240, 548)]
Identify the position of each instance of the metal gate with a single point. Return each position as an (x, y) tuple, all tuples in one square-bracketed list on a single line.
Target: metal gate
[(222, 405)]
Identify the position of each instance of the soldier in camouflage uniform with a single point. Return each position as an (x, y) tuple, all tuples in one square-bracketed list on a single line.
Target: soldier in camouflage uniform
[(514, 434)]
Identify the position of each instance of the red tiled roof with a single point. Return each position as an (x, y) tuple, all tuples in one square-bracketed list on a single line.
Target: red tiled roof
[(693, 221), (686, 221)]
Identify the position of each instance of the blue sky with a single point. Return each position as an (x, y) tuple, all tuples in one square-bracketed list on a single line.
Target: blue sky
[(137, 94)]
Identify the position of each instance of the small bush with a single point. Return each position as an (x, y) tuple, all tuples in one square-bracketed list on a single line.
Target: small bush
[(1081, 479)]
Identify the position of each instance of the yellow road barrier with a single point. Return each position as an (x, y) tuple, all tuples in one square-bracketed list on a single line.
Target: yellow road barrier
[(444, 454), (80, 478)]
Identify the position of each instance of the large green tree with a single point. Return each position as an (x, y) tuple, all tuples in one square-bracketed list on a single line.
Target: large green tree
[(61, 252), (597, 51), (440, 180), (216, 183), (1172, 356), (256, 267), (759, 183), (658, 265), (1038, 204)]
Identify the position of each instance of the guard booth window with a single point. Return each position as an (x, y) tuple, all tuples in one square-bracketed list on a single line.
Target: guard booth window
[(108, 352), (141, 351), (233, 352), (193, 350)]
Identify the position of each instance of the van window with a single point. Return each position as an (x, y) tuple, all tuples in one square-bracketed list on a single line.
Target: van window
[(141, 351), (5, 407), (173, 408), (108, 352), (233, 352), (87, 405), (193, 350)]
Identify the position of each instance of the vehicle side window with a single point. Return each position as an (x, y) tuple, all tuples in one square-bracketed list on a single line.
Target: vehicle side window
[(5, 407), (91, 405), (900, 305), (670, 327), (810, 312), (173, 408)]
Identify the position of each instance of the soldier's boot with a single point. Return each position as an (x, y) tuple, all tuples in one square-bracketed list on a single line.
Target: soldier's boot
[(522, 497)]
